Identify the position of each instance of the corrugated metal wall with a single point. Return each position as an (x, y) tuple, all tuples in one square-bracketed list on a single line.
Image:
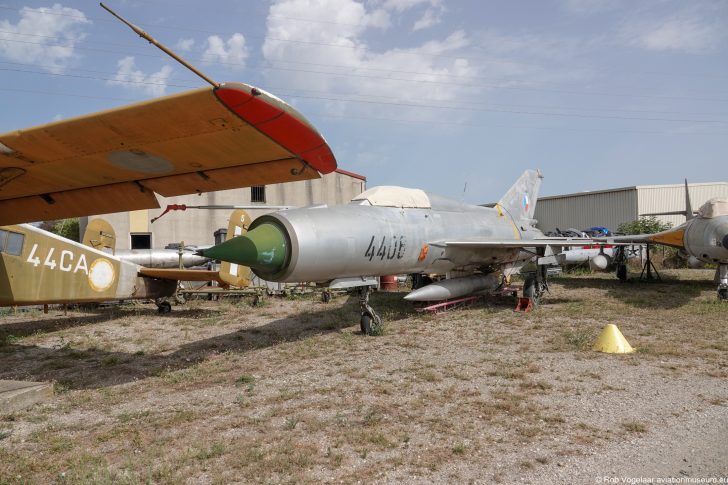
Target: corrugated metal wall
[(669, 198), (610, 208), (580, 211)]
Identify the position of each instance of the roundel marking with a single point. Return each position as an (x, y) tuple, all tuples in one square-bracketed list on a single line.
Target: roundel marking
[(101, 275), (525, 201)]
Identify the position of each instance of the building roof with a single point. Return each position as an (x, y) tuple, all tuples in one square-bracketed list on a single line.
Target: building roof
[(623, 189), (351, 174)]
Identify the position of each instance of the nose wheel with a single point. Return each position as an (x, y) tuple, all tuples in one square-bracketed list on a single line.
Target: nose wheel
[(370, 322)]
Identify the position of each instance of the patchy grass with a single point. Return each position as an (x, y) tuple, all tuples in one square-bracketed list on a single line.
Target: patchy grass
[(290, 392), (634, 426)]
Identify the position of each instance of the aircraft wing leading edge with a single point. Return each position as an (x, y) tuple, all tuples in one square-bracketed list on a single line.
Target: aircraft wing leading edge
[(202, 140)]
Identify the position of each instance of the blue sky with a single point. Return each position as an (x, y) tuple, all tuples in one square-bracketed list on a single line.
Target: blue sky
[(421, 93)]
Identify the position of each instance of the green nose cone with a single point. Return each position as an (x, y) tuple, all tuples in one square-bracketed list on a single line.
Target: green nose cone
[(263, 248)]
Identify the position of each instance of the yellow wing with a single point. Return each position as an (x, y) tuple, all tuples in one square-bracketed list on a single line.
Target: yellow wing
[(202, 140), (182, 274)]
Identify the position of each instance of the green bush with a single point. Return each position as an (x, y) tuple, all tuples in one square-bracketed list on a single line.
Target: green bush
[(67, 228), (643, 225)]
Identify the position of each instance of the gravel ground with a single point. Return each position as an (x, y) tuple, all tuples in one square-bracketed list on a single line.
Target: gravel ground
[(290, 392)]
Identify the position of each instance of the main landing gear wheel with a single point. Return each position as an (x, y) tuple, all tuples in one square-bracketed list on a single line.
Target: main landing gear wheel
[(723, 294), (370, 323), (622, 272), (164, 307), (530, 290), (534, 287), (326, 296)]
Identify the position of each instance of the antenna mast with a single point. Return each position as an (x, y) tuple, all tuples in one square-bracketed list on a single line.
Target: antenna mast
[(161, 46)]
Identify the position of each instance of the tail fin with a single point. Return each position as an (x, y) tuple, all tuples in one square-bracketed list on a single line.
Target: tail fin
[(688, 205), (231, 273), (100, 235), (520, 200)]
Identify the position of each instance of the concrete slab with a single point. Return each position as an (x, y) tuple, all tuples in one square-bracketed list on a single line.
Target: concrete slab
[(17, 395)]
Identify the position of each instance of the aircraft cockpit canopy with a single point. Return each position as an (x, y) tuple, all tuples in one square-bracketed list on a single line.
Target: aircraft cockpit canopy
[(715, 207), (392, 196)]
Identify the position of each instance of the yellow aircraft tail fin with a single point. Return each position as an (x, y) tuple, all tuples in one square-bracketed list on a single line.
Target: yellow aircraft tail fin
[(100, 235), (231, 273)]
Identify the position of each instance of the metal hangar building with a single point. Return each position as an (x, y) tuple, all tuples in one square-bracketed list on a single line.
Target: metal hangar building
[(197, 226), (612, 207)]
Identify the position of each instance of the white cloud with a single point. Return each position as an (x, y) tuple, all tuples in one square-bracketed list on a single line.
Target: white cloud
[(43, 36), (233, 51), (687, 32), (185, 44), (426, 69), (131, 78), (402, 5), (432, 16)]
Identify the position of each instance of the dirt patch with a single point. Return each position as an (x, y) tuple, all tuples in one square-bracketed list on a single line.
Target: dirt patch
[(223, 392)]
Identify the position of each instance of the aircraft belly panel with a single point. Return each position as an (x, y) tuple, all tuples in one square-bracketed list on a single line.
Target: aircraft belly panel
[(80, 202), (230, 178)]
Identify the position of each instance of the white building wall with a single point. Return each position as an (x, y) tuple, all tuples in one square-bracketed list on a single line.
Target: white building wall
[(197, 226), (652, 199), (610, 208)]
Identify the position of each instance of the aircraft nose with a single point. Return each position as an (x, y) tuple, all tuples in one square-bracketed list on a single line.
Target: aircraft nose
[(263, 248)]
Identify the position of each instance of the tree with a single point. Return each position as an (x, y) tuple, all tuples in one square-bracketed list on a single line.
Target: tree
[(644, 225), (67, 228)]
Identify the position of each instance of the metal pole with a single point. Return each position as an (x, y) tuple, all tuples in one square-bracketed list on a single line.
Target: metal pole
[(162, 47)]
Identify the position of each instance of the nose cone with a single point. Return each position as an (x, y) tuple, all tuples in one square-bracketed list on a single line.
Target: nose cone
[(263, 248)]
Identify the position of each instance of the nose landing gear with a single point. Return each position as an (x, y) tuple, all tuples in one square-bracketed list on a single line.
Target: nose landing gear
[(371, 322)]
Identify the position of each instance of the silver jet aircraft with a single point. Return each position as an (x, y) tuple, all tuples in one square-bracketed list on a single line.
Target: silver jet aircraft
[(395, 230), (703, 238)]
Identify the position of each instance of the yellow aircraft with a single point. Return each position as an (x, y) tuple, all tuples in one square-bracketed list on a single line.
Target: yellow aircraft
[(203, 140), (226, 136), (38, 267)]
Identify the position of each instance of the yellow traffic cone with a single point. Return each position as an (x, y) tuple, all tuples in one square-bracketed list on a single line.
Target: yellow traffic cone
[(612, 341)]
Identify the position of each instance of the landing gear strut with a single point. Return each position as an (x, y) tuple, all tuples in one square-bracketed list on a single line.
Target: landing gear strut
[(370, 323)]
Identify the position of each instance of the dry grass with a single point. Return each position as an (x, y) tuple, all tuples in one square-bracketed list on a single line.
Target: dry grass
[(290, 392)]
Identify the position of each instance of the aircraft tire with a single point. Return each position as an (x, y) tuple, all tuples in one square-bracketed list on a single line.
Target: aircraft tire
[(622, 272), (164, 307), (365, 324), (326, 296), (723, 294), (529, 288), (370, 325)]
